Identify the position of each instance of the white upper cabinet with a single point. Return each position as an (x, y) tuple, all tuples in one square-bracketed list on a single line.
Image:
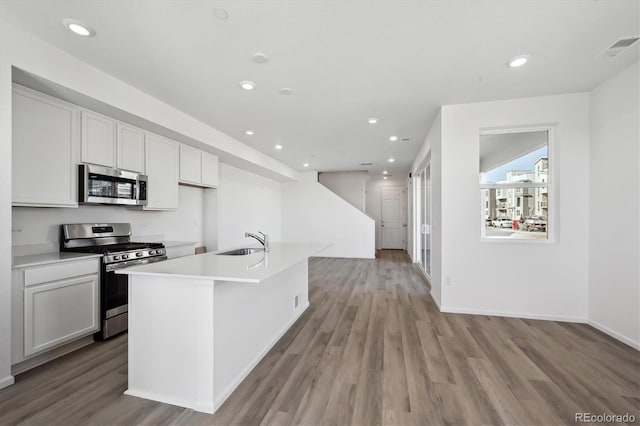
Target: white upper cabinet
[(190, 165), (98, 139), (161, 167), (210, 170), (130, 148), (44, 150), (198, 167)]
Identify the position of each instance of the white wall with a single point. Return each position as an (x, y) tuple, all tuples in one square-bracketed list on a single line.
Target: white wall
[(313, 213), (349, 185), (614, 221), (247, 203), (41, 226), (515, 278), (374, 203)]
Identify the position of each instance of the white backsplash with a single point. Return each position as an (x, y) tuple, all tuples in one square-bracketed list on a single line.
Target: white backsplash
[(37, 230)]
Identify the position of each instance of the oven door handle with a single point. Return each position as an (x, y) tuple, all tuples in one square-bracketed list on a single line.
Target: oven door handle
[(122, 265)]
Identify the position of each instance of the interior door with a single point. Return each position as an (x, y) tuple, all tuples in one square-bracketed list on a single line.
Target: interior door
[(393, 217)]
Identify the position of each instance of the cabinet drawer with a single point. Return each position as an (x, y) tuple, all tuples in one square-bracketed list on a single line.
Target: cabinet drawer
[(60, 271)]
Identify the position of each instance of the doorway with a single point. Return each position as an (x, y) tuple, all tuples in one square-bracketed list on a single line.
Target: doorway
[(392, 221)]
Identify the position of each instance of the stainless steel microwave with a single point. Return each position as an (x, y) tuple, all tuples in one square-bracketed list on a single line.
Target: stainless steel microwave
[(103, 185)]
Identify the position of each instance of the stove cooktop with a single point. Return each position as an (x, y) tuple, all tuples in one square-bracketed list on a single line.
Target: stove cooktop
[(115, 248)]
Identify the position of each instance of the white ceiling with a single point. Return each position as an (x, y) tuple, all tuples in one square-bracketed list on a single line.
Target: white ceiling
[(345, 60)]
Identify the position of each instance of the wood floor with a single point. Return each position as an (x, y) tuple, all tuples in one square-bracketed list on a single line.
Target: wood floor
[(371, 349)]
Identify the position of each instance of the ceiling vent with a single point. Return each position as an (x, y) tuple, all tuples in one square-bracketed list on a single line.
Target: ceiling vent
[(405, 139), (618, 47), (366, 164)]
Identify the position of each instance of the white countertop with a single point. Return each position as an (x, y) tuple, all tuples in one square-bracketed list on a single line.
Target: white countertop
[(168, 244), (47, 258), (252, 268)]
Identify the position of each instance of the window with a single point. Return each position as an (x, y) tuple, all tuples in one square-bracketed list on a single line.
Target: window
[(514, 185)]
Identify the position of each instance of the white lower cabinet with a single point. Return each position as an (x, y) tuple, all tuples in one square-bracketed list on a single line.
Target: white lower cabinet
[(59, 312), (53, 305)]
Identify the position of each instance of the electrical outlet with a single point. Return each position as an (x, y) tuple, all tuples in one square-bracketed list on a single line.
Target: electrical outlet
[(447, 281), (16, 230)]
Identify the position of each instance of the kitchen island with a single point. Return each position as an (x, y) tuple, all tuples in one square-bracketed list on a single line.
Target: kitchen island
[(199, 324)]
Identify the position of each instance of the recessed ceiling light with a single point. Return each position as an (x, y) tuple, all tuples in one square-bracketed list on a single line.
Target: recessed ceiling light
[(247, 85), (260, 58), (220, 14), (372, 120), (393, 138), (385, 172), (385, 178), (249, 132), (391, 160), (78, 27), (518, 61), (286, 91), (278, 146), (306, 164)]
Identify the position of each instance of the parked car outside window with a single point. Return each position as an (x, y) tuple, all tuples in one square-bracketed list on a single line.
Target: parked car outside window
[(502, 222), (534, 223)]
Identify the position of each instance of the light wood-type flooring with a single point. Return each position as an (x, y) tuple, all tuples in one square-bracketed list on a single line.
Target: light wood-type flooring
[(371, 349)]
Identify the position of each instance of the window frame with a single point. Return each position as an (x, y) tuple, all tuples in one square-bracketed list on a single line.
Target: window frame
[(551, 185)]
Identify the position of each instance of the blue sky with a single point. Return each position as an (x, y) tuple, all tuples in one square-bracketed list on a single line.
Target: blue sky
[(523, 163)]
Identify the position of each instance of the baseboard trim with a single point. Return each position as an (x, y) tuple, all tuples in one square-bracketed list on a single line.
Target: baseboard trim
[(50, 355), (7, 381), (524, 315), (606, 330), (423, 274), (229, 390), (194, 405)]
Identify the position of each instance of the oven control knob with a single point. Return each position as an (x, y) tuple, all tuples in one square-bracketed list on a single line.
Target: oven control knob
[(125, 256), (139, 254), (152, 252), (116, 257)]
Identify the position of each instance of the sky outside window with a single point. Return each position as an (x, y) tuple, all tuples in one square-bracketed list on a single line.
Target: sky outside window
[(526, 162)]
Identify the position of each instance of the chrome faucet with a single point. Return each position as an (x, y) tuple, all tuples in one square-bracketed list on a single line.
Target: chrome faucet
[(264, 240)]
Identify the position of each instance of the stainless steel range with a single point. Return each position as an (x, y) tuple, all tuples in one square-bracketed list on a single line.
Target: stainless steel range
[(113, 241)]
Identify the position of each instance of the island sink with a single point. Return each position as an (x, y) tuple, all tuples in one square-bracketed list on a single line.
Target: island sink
[(241, 251)]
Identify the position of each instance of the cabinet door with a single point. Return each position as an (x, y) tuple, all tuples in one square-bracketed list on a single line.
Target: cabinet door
[(130, 148), (98, 139), (161, 163), (210, 170), (190, 165), (59, 312), (44, 150)]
